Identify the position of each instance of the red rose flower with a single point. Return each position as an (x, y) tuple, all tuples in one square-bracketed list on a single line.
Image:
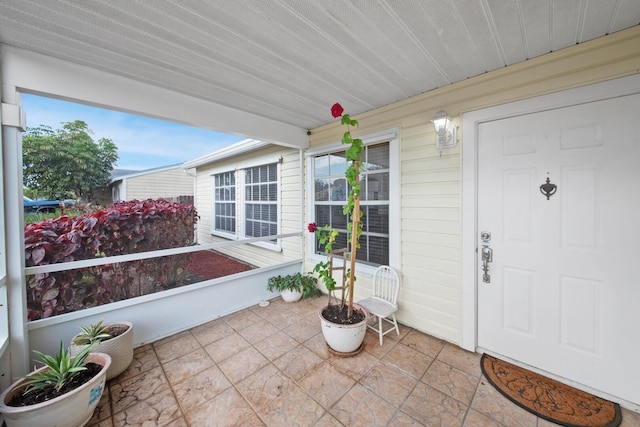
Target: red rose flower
[(312, 227), (336, 110)]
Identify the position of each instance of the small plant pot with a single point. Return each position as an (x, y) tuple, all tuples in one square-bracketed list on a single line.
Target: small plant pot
[(290, 296), (341, 338), (120, 349), (73, 409)]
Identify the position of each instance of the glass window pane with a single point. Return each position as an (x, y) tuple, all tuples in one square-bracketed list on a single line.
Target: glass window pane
[(377, 157), (273, 192), (338, 163), (377, 186), (338, 219), (322, 189), (323, 215), (321, 166), (375, 219), (339, 189), (378, 250)]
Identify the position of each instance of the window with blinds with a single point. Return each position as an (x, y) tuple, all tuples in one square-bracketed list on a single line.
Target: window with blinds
[(261, 201), (331, 192), (224, 195)]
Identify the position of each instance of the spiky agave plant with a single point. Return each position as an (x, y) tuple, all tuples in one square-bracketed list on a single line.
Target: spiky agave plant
[(92, 334), (61, 369)]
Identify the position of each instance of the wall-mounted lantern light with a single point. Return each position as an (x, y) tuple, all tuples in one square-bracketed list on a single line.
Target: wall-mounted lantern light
[(445, 133)]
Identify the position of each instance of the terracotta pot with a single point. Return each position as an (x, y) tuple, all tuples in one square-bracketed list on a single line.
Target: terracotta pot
[(290, 296), (344, 338), (73, 409), (119, 348)]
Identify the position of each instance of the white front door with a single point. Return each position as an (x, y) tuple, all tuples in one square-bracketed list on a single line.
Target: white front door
[(563, 292)]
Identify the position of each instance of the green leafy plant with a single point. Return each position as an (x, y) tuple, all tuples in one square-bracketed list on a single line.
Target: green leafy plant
[(95, 333), (327, 235), (60, 369), (303, 283)]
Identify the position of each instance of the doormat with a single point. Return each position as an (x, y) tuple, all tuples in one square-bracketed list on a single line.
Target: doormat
[(549, 399)]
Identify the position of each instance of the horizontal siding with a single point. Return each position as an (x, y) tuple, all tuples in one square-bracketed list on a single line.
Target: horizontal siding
[(164, 184), (431, 295)]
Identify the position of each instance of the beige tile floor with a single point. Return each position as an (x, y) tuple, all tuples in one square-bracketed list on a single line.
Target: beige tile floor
[(269, 366)]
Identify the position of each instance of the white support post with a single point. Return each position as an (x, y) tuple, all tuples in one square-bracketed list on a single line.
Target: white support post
[(13, 124)]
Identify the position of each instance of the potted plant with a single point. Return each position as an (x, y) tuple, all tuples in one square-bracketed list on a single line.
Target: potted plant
[(293, 287), (343, 324), (63, 392), (115, 339)]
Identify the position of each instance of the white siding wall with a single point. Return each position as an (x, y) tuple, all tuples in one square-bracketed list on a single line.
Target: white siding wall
[(157, 185), (431, 294), (290, 203)]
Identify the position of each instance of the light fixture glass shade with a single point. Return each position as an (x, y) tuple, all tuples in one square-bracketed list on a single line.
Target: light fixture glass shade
[(445, 134), (441, 121)]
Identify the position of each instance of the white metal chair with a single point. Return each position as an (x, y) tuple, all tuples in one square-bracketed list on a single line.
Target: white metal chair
[(383, 301)]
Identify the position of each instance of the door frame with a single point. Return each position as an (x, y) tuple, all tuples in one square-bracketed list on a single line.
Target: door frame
[(470, 124)]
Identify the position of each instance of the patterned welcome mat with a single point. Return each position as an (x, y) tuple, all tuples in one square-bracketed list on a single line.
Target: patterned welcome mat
[(549, 399)]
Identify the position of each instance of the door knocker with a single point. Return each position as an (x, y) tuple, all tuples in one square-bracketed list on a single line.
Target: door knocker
[(548, 189)]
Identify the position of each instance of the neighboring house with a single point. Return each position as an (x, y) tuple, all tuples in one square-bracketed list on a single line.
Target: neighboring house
[(171, 183)]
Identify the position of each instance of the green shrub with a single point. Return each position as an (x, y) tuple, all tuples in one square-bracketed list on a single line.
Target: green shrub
[(303, 283), (123, 228)]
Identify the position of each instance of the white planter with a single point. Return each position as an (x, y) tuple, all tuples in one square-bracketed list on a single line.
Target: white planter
[(290, 296), (119, 348), (344, 338), (73, 409)]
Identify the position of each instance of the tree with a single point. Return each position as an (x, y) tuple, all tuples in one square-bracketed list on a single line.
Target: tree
[(66, 162)]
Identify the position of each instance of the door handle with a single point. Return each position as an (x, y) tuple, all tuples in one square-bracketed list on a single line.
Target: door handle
[(487, 257)]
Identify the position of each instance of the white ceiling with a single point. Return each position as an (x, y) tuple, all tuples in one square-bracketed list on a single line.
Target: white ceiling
[(290, 60)]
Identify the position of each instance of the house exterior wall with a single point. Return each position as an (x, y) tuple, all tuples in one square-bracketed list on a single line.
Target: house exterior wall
[(290, 214), (167, 184), (431, 186)]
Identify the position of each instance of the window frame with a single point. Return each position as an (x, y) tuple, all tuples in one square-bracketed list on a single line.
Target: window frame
[(214, 231), (392, 137), (240, 185)]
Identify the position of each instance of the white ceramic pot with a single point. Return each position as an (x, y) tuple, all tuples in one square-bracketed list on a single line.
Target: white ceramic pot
[(344, 338), (73, 409), (119, 348), (290, 296)]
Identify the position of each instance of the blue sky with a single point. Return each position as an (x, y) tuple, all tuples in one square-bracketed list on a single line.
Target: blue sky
[(143, 143)]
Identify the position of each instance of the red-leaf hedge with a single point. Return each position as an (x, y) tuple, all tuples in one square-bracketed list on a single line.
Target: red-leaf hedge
[(123, 228)]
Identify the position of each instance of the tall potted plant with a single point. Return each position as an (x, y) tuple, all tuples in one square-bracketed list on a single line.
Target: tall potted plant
[(344, 324), (63, 393)]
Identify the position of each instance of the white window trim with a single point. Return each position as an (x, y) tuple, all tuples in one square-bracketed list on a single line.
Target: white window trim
[(393, 137), (239, 169)]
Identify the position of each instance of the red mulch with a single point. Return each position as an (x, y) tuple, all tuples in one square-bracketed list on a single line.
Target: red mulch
[(211, 264)]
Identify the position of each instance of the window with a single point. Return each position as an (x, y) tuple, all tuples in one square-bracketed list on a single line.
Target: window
[(224, 196), (246, 203), (330, 194), (261, 201)]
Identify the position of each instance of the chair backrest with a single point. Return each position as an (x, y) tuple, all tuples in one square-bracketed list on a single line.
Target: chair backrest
[(386, 284)]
